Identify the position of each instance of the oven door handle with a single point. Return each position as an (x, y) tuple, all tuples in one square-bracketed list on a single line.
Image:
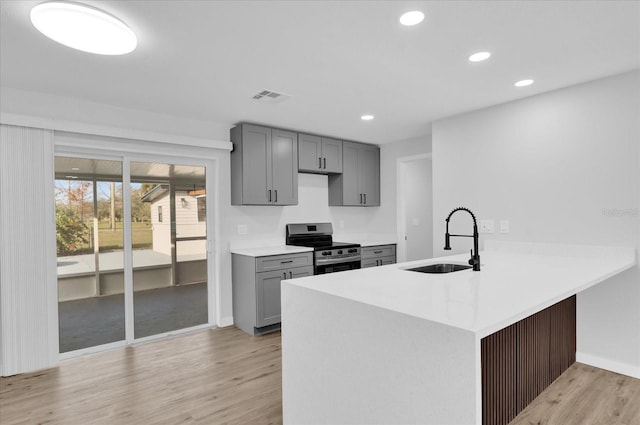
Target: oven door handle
[(326, 261)]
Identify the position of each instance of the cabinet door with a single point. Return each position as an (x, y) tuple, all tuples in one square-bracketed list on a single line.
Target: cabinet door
[(331, 155), (268, 297), (369, 262), (369, 169), (284, 158), (309, 153), (387, 260), (256, 169), (351, 194), (300, 272)]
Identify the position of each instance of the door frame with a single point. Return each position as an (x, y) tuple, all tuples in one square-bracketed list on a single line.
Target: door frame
[(401, 194), (68, 145)]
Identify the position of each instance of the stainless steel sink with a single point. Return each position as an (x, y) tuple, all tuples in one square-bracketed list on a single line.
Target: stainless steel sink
[(440, 268)]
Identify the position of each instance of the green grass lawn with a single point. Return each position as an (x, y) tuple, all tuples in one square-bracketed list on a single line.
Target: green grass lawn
[(112, 240)]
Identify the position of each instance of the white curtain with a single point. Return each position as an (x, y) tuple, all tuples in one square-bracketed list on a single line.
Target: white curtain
[(28, 291)]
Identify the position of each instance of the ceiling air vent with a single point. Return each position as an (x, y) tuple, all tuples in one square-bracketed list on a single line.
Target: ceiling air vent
[(268, 96)]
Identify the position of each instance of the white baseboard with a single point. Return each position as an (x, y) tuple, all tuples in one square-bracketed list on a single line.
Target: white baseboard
[(610, 365), (225, 321)]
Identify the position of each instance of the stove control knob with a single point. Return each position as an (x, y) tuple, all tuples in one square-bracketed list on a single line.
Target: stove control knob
[(326, 253), (340, 251)]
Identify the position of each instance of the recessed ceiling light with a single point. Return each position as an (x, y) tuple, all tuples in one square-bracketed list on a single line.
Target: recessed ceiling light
[(366, 117), (75, 169), (412, 18), (84, 28), (523, 83), (479, 57)]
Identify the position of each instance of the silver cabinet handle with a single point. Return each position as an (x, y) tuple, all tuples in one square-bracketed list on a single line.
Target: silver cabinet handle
[(365, 198), (377, 252), (269, 195), (325, 163), (276, 191), (284, 275), (290, 275), (361, 198), (287, 261), (319, 162)]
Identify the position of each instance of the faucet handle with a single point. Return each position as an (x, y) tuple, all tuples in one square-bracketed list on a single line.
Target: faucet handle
[(472, 260)]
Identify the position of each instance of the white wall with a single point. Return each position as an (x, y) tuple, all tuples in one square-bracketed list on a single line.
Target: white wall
[(70, 109), (562, 167), (384, 219)]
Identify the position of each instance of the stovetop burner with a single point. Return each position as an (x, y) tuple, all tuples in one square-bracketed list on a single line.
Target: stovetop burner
[(314, 235)]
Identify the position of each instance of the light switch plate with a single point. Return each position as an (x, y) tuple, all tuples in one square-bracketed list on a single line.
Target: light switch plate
[(486, 226), (504, 226), (242, 229)]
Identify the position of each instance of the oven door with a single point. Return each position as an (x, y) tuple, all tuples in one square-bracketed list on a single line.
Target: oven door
[(336, 267)]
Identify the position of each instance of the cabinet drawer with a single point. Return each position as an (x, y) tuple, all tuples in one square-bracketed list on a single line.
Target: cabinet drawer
[(378, 251), (286, 261)]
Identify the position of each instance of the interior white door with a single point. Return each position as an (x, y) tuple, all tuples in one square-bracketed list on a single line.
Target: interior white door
[(416, 196)]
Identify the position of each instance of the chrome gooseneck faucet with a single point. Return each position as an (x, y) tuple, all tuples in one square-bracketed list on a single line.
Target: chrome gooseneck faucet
[(475, 255)]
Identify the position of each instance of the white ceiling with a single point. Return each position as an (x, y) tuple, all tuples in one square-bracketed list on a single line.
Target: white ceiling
[(337, 59)]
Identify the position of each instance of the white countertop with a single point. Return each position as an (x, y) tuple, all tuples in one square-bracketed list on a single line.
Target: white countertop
[(271, 250), (515, 281)]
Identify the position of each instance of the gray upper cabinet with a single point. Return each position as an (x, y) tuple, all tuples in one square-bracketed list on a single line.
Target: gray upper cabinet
[(359, 183), (264, 166), (318, 154)]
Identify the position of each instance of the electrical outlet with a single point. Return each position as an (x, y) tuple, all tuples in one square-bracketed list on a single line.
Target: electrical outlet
[(242, 229), (504, 226), (486, 226)]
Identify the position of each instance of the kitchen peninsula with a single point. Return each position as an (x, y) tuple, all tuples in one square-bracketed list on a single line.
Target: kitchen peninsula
[(389, 345)]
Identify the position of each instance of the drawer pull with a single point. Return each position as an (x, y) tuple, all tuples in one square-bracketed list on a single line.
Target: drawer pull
[(377, 252), (288, 261)]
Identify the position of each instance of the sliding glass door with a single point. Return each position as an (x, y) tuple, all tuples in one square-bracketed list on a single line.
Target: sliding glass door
[(122, 277), (90, 252), (173, 294)]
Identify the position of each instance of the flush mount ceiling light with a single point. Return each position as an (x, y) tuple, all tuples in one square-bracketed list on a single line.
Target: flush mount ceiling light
[(479, 57), (412, 18), (366, 117), (84, 28), (523, 83)]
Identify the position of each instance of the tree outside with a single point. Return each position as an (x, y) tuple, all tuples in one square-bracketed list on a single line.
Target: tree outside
[(74, 217)]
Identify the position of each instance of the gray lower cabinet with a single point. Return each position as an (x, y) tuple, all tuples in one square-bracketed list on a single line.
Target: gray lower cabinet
[(378, 255), (318, 154), (264, 166), (359, 183), (256, 288)]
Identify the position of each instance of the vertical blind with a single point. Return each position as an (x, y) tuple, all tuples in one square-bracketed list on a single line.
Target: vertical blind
[(28, 293)]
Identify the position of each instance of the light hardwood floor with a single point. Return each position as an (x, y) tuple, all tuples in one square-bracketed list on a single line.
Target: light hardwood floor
[(223, 376)]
